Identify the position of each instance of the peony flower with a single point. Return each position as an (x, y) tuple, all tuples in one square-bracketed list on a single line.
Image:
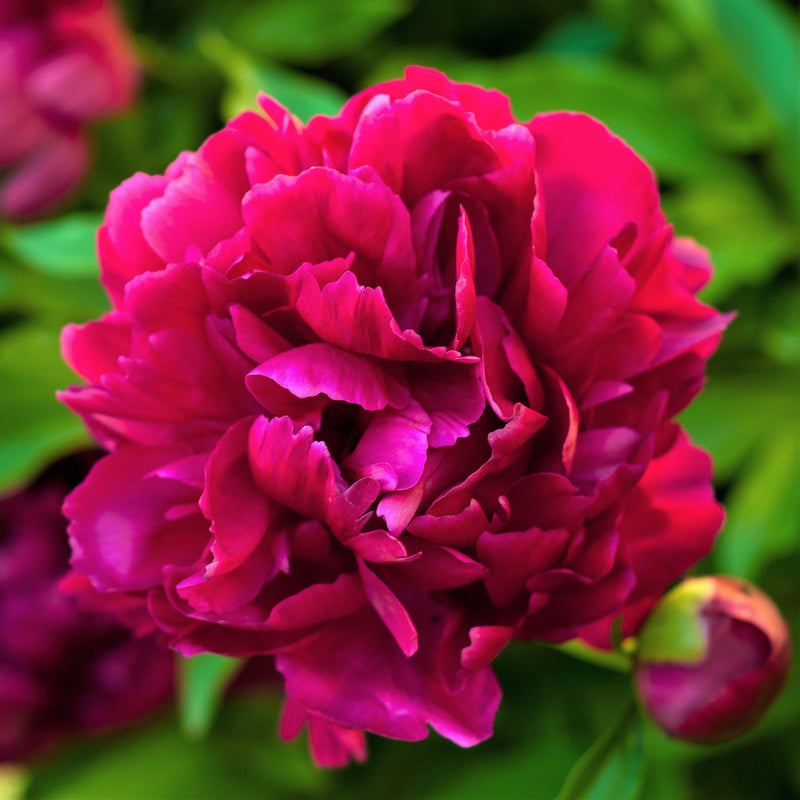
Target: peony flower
[(62, 670), (63, 64), (713, 655), (383, 392)]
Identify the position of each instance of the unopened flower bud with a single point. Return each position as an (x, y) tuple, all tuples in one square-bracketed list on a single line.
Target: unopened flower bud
[(712, 657)]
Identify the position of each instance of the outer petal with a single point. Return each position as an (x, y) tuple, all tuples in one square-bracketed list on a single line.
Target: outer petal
[(238, 511), (123, 250), (365, 682), (195, 210), (593, 186), (671, 521), (330, 745), (438, 142), (121, 531), (93, 349)]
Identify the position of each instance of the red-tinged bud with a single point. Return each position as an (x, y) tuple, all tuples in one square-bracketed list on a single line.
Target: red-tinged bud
[(713, 655)]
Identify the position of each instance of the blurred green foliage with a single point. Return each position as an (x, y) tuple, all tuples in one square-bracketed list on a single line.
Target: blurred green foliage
[(707, 92), (158, 762)]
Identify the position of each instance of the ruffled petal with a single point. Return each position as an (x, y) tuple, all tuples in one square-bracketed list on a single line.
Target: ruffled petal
[(120, 528), (365, 682)]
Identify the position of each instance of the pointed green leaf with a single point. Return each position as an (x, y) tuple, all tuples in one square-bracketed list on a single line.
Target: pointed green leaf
[(313, 31), (763, 523), (611, 768), (304, 95), (34, 427), (763, 38), (51, 301), (204, 679), (609, 659), (63, 247)]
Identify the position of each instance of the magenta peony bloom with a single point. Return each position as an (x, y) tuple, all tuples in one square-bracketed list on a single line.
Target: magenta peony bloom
[(713, 655), (62, 670), (383, 392), (63, 64)]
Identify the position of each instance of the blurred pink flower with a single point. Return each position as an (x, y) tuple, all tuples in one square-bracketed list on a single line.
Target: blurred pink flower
[(385, 391), (63, 64), (713, 656), (62, 670)]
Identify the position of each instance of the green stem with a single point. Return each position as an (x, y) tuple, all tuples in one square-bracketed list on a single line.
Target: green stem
[(609, 659), (611, 767)]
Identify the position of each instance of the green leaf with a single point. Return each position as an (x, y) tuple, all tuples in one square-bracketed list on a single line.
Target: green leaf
[(608, 659), (733, 218), (611, 768), (748, 63), (763, 520), (50, 301), (763, 39), (34, 427), (734, 414), (303, 95), (313, 31), (166, 120), (780, 333), (581, 36), (63, 247), (241, 759), (632, 103), (552, 708), (204, 679)]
